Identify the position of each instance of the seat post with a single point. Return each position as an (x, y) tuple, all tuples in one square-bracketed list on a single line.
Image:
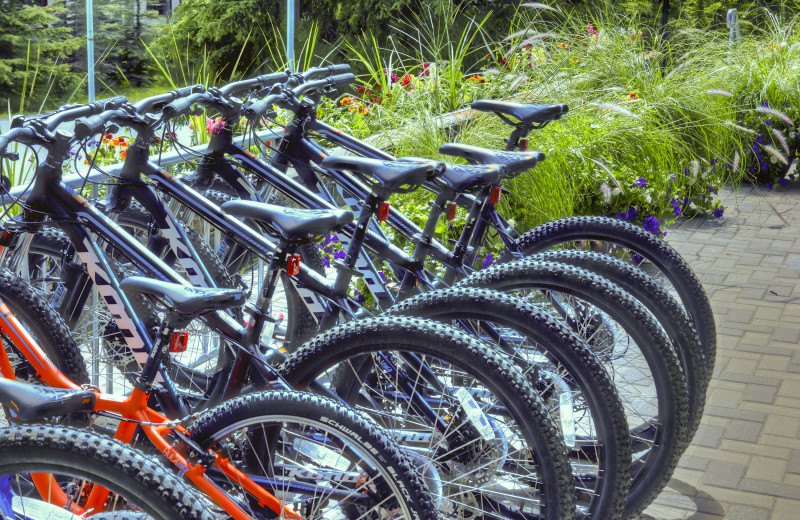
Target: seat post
[(520, 132), (357, 242), (153, 363), (258, 320)]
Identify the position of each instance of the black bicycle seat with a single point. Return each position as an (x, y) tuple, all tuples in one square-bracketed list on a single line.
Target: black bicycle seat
[(29, 402), (390, 174), (187, 300), (528, 114), (290, 223), (513, 162)]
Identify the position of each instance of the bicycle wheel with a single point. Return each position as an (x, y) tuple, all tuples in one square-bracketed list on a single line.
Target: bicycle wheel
[(564, 371), (669, 314), (633, 348), (467, 414), (49, 472), (644, 249), (313, 453), (46, 328)]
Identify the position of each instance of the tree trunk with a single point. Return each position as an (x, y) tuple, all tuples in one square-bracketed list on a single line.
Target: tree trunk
[(664, 15)]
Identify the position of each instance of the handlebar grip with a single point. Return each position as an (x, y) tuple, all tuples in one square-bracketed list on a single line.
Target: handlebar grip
[(270, 79), (111, 103), (187, 91), (177, 107), (87, 126), (257, 109), (342, 80), (341, 68)]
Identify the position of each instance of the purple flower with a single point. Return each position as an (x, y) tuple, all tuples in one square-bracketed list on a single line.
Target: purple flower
[(767, 122), (359, 297), (782, 182), (770, 184), (637, 258), (641, 182), (759, 139), (652, 225), (326, 261), (676, 207), (487, 261), (765, 104), (673, 178), (686, 201), (712, 189), (686, 171), (383, 276), (339, 255), (73, 152), (718, 212)]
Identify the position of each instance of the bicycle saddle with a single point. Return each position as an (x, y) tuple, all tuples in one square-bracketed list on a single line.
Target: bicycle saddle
[(186, 300), (29, 402), (465, 177), (527, 113), (513, 162), (290, 223), (390, 174)]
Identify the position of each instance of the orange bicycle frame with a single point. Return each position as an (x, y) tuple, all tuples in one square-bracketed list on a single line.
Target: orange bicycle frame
[(132, 411)]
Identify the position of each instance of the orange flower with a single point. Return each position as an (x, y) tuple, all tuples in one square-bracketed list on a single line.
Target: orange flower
[(477, 79), (123, 153), (632, 96)]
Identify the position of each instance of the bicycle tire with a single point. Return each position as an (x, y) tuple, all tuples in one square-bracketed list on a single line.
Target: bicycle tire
[(650, 476), (47, 327), (102, 461), (581, 364), (213, 426), (356, 339), (654, 249), (668, 312)]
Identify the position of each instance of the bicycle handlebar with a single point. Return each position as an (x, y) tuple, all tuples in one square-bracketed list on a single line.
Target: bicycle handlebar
[(258, 108), (146, 105), (89, 109), (12, 135), (253, 83), (333, 81)]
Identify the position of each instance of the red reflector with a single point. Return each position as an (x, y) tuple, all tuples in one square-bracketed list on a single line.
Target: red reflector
[(523, 145), (383, 211), (179, 342), (494, 198), (451, 211), (293, 265)]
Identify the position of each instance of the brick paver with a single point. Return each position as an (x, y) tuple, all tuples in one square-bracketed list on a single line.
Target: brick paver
[(744, 462)]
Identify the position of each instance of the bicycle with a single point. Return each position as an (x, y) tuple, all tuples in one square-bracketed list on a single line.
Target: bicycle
[(67, 463), (556, 492)]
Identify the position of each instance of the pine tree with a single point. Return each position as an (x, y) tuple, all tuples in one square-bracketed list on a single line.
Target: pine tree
[(35, 54)]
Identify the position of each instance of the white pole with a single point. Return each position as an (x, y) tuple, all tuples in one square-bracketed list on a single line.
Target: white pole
[(290, 10), (90, 47)]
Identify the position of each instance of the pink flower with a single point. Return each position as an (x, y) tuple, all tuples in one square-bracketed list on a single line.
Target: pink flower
[(214, 126)]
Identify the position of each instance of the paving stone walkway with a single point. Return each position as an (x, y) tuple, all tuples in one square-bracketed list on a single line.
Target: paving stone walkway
[(744, 462)]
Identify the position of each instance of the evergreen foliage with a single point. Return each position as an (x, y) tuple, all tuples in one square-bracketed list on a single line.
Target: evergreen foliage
[(35, 56)]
